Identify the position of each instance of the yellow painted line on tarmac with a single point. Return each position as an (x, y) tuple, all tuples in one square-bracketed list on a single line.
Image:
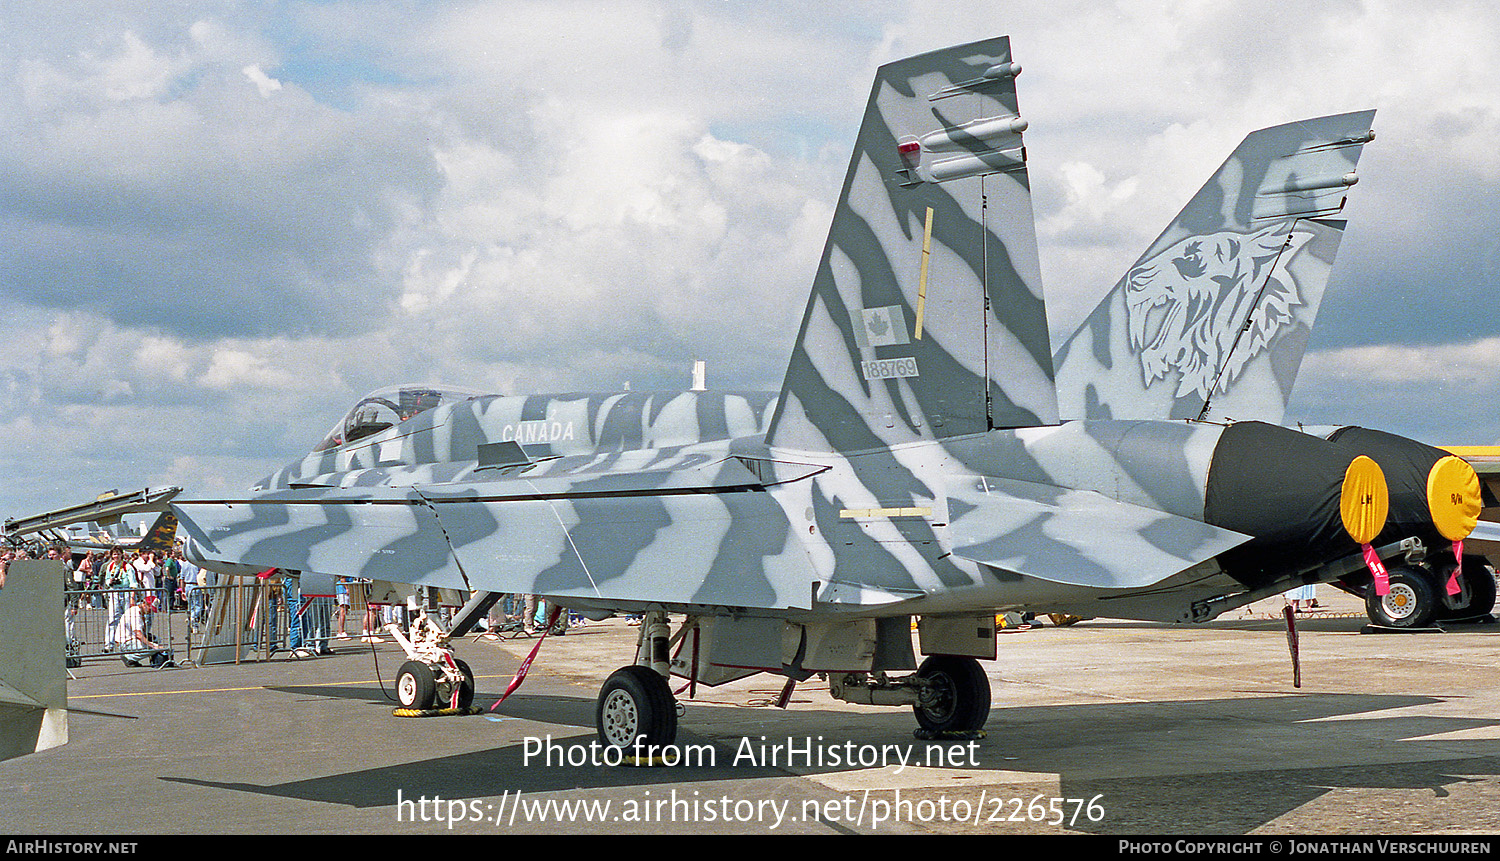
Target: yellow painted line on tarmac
[(72, 697)]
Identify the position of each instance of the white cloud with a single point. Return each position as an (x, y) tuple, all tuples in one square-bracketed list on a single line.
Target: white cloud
[(264, 83), (1469, 364), (200, 277), (130, 70)]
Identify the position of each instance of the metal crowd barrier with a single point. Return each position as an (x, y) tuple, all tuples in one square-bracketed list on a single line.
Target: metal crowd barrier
[(90, 614), (246, 619)]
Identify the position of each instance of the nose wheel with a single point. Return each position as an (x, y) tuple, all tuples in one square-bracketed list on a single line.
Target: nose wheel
[(433, 677), (416, 688)]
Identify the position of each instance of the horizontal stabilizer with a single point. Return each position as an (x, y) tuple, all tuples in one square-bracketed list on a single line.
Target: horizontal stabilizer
[(1485, 531), (1075, 537)]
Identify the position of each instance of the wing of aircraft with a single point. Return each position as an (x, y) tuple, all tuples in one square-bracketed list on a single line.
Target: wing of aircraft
[(915, 464)]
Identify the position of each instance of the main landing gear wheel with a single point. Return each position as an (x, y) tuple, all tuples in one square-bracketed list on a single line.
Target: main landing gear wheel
[(1410, 603), (636, 703), (415, 686), (1480, 584), (957, 698)]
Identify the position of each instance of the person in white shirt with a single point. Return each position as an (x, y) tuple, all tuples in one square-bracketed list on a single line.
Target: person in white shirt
[(131, 633), (146, 571)]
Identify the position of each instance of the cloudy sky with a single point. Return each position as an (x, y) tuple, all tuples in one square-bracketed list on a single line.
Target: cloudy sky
[(222, 223)]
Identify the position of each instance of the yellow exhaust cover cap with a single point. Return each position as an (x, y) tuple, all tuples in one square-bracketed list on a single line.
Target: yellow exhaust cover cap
[(1365, 500), (1453, 497)]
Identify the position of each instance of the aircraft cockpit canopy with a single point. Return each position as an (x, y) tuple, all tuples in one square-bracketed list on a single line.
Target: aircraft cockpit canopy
[(388, 407)]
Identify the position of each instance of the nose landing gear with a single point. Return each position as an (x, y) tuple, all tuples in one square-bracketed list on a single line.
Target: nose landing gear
[(432, 677)]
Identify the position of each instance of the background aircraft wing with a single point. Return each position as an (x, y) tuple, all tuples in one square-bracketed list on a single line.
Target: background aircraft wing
[(105, 511)]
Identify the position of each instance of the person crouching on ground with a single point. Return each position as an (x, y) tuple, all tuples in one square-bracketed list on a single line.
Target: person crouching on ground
[(133, 639)]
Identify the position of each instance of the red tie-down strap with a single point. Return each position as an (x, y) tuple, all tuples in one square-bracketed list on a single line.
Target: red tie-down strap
[(526, 664), (458, 688), (1377, 568), (1458, 560)]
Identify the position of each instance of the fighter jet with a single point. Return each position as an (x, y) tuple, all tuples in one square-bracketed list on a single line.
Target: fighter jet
[(928, 456)]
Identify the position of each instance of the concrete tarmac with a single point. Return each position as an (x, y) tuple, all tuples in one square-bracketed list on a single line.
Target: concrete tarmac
[(1105, 727)]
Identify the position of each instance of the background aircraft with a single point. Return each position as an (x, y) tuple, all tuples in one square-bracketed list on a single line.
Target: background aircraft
[(101, 525)]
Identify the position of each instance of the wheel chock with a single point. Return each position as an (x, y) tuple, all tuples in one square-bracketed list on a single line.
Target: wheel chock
[(449, 712), (1384, 629)]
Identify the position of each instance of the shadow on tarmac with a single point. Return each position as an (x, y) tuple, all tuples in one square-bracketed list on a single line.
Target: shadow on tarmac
[(1218, 765), (1240, 803)]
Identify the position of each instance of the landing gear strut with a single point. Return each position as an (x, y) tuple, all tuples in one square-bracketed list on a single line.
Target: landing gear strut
[(950, 694), (1476, 596)]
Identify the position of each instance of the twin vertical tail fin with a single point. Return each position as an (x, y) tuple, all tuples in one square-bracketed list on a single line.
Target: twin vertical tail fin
[(1213, 320), (926, 318)]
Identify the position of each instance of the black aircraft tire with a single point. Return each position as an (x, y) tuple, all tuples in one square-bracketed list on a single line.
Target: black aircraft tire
[(1481, 583), (416, 688), (636, 707), (466, 690), (1411, 602), (962, 695)]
